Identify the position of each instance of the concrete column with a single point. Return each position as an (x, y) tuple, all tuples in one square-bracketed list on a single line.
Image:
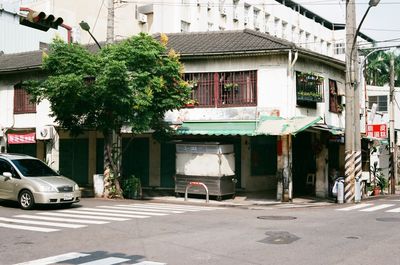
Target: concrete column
[(321, 174), (52, 152), (284, 171), (245, 160), (154, 163), (92, 155)]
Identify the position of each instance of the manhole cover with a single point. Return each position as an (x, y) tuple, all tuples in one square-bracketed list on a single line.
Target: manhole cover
[(388, 219), (276, 217), (279, 238)]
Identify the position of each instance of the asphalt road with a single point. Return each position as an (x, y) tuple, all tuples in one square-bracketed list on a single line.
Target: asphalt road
[(111, 232)]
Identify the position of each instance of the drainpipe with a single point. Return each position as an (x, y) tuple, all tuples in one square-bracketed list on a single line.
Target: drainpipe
[(68, 28)]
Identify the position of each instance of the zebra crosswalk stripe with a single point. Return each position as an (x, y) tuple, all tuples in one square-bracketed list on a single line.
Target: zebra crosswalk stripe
[(30, 228), (13, 220), (114, 213), (378, 207), (58, 214), (105, 261), (396, 210), (150, 209), (55, 259), (102, 213), (149, 263), (176, 206), (355, 207), (127, 210), (48, 218)]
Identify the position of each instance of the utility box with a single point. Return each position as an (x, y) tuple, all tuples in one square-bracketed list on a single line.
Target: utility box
[(210, 163)]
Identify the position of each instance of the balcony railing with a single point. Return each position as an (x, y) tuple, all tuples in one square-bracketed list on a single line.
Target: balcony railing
[(225, 89), (309, 89)]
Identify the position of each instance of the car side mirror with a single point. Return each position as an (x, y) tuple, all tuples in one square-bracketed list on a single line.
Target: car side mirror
[(7, 175)]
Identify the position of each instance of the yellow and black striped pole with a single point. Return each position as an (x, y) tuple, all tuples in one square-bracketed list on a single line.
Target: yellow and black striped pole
[(349, 177)]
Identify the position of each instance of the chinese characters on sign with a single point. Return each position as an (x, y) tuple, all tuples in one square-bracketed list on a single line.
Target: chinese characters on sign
[(377, 130)]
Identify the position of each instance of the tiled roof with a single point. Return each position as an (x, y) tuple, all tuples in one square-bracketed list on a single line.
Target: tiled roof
[(223, 42), (20, 61)]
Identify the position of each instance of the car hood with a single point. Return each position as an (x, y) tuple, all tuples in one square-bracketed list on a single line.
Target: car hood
[(54, 181)]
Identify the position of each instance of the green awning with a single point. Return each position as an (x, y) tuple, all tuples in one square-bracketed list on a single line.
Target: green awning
[(217, 128), (267, 125), (280, 126)]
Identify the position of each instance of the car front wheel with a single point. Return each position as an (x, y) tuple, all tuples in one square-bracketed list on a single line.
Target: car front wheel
[(26, 200)]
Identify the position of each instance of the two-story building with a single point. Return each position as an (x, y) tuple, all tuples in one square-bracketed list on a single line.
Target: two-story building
[(280, 105)]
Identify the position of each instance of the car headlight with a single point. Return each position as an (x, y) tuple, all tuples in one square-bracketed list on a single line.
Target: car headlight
[(47, 188), (76, 187)]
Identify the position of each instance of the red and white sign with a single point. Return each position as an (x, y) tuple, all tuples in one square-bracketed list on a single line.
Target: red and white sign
[(377, 130), (21, 138)]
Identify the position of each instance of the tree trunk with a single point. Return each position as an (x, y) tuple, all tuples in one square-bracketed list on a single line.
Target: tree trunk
[(112, 158)]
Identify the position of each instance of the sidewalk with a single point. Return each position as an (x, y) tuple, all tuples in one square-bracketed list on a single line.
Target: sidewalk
[(243, 200)]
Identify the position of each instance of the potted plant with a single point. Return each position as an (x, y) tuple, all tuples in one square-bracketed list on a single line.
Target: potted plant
[(382, 182), (132, 188), (191, 103), (378, 179)]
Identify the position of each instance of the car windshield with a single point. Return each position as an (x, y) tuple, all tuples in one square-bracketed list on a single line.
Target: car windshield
[(33, 168)]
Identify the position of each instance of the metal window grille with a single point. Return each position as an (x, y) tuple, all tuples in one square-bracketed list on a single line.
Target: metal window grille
[(309, 89), (22, 101), (224, 89), (381, 101)]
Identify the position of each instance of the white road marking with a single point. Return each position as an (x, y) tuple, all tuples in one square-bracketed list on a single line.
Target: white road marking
[(105, 261), (102, 213), (182, 206), (114, 209), (149, 209), (30, 228), (355, 207), (149, 263), (11, 220), (82, 221), (83, 216), (396, 210), (376, 208), (55, 259)]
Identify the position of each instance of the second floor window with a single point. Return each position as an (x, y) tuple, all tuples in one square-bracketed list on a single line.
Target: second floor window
[(309, 89), (381, 101), (335, 100), (224, 88), (22, 101)]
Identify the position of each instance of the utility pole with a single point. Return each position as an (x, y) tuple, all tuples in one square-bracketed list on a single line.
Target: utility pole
[(349, 118), (393, 147), (110, 22)]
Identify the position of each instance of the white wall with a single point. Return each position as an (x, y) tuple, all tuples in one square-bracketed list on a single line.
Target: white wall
[(166, 16)]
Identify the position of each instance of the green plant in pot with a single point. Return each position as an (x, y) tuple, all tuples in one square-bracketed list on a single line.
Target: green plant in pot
[(382, 182), (132, 188)]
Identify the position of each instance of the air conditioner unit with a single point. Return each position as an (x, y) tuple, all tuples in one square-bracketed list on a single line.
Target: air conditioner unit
[(45, 132), (209, 5), (246, 20), (142, 18), (256, 25), (198, 2)]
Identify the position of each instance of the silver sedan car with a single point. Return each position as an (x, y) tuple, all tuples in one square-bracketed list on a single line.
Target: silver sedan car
[(29, 181)]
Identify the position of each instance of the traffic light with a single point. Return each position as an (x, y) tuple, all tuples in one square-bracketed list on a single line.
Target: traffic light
[(41, 21)]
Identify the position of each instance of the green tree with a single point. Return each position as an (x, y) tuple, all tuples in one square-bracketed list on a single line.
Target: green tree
[(133, 83), (377, 68)]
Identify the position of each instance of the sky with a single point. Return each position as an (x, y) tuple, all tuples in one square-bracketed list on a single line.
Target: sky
[(382, 22)]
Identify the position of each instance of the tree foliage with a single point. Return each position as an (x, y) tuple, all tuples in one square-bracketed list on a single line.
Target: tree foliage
[(133, 82), (129, 83), (377, 70)]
